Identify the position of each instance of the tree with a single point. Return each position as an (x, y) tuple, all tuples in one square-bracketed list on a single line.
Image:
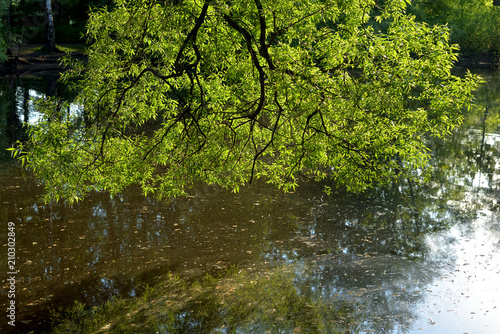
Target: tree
[(4, 28), (50, 33), (178, 92), (474, 24)]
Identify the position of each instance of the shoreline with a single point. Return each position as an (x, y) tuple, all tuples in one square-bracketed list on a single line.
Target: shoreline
[(478, 61), (32, 60)]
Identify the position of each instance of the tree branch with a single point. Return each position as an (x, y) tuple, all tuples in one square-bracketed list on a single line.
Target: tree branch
[(191, 36), (248, 39), (264, 52)]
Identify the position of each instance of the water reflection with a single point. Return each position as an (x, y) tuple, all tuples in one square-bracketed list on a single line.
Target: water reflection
[(403, 258), (17, 105)]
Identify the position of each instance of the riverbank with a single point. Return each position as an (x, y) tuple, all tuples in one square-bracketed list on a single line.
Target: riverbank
[(33, 60), (490, 61)]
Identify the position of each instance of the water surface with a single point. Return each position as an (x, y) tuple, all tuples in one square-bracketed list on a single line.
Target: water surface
[(408, 258)]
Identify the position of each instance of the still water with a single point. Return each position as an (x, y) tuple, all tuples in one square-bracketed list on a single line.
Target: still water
[(406, 258)]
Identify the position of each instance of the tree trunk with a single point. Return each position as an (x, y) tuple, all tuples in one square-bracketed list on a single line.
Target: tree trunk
[(50, 32)]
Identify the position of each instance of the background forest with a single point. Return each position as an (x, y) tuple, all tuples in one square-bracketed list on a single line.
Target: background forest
[(24, 21), (474, 24)]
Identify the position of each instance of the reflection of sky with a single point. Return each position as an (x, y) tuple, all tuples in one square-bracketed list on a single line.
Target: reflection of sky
[(455, 289), (482, 180), (466, 298), (34, 115)]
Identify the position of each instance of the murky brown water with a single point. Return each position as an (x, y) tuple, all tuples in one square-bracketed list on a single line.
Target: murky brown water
[(410, 258)]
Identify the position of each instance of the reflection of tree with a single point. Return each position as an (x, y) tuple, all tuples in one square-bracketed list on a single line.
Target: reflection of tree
[(381, 288), (266, 301), (16, 106), (468, 160), (127, 239), (11, 128), (400, 217), (366, 251)]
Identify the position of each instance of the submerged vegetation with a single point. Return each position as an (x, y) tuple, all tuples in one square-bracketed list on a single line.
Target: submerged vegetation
[(236, 301)]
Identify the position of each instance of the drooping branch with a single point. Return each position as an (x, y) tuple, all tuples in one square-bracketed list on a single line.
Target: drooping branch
[(191, 37), (179, 69), (255, 60), (122, 97), (264, 52), (273, 133)]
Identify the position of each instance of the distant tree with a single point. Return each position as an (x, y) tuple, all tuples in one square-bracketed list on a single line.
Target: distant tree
[(4, 28), (50, 30), (474, 24), (178, 92), (70, 18)]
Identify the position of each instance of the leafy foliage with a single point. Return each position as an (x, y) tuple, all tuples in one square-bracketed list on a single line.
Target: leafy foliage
[(3, 31), (3, 48), (474, 25), (176, 93), (28, 19)]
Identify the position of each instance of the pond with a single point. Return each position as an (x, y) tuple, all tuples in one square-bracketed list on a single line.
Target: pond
[(406, 258)]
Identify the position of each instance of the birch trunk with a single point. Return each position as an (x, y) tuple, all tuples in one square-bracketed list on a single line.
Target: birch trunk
[(50, 32)]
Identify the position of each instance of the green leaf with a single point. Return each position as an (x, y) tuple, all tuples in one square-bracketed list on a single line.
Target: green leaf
[(228, 94)]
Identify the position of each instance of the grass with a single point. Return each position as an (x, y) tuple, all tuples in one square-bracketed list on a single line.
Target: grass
[(37, 50), (73, 48)]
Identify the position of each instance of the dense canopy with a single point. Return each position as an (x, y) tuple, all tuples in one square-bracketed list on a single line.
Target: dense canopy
[(225, 92)]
